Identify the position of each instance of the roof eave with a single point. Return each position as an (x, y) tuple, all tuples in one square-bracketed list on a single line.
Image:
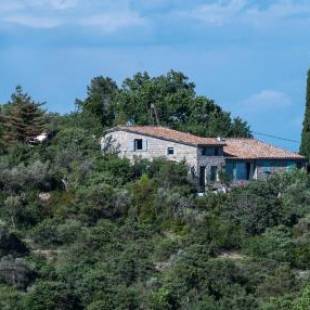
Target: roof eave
[(265, 158), (161, 138)]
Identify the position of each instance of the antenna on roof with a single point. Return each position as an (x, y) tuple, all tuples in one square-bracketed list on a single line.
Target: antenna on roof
[(153, 107)]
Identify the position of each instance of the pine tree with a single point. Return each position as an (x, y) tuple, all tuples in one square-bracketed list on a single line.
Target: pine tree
[(24, 118), (305, 138)]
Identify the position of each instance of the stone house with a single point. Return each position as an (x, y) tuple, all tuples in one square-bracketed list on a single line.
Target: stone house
[(241, 159)]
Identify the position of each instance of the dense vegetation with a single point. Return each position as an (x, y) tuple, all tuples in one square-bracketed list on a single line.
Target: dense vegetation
[(174, 98), (83, 230)]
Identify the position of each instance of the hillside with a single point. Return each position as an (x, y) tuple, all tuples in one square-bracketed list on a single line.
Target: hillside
[(80, 230)]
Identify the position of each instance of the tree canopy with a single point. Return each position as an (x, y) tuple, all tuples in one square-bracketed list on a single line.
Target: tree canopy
[(22, 118), (173, 97)]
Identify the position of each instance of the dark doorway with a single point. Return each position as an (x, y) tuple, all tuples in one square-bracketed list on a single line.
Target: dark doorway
[(202, 176), (248, 171)]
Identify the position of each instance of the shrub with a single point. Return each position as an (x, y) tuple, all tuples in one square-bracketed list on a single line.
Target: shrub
[(51, 296), (10, 244), (16, 272), (46, 233), (10, 298), (275, 243)]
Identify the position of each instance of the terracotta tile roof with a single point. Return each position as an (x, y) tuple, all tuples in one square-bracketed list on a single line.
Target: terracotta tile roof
[(255, 149), (170, 134)]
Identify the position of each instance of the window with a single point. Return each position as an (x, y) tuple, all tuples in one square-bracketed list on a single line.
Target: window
[(138, 144), (170, 151), (240, 170), (211, 151)]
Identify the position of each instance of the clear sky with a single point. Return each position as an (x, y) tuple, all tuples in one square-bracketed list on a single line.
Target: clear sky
[(250, 56)]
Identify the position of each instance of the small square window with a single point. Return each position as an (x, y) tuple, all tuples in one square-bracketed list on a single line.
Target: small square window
[(138, 144), (170, 151)]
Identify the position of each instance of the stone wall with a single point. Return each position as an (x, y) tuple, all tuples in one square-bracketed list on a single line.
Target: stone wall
[(209, 161), (154, 148)]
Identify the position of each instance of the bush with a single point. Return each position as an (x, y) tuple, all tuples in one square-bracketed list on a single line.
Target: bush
[(10, 298), (103, 201), (46, 233), (51, 296), (16, 272), (10, 244), (275, 243)]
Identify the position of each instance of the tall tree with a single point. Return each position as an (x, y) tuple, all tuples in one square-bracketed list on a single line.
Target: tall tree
[(305, 137), (177, 105), (1, 130), (240, 128), (23, 118), (100, 99), (171, 94), (170, 98)]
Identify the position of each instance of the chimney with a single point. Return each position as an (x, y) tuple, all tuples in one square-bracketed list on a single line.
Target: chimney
[(220, 139)]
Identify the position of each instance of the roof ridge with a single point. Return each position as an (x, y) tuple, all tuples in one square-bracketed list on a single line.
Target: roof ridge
[(175, 130), (252, 148), (170, 134)]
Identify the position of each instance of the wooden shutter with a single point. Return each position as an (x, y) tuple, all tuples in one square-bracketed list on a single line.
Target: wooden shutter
[(131, 146), (144, 145)]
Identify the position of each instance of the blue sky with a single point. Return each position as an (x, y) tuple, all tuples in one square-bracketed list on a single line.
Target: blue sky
[(250, 56)]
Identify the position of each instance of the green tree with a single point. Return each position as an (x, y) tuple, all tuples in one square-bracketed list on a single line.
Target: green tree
[(240, 128), (177, 106), (142, 100), (100, 100), (305, 137), (24, 118)]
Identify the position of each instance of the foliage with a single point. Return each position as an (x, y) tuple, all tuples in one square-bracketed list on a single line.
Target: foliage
[(11, 244), (100, 99), (51, 296), (23, 118), (305, 137), (111, 234), (16, 272), (171, 98)]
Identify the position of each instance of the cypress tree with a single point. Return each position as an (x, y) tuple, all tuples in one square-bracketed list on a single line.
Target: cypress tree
[(305, 138), (24, 118), (1, 131)]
